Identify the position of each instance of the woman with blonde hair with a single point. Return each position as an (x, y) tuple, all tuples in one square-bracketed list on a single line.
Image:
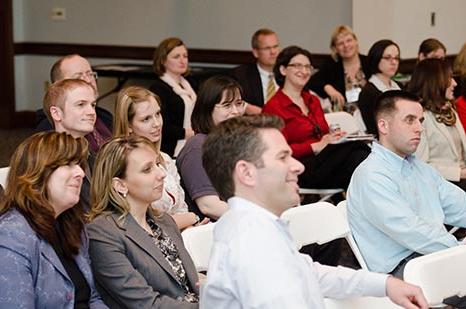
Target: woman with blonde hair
[(137, 112), (176, 94), (342, 77), (137, 253), (43, 246)]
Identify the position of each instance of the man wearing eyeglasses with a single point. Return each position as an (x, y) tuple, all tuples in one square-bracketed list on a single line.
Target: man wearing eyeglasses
[(76, 67), (256, 79)]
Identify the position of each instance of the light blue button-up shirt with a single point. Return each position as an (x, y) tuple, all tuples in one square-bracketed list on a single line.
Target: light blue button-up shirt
[(254, 263), (397, 206)]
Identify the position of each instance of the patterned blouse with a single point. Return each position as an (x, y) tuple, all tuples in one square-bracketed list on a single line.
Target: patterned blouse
[(172, 200), (169, 250)]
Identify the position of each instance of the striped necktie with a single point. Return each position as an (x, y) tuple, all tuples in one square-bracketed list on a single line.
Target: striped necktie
[(270, 88)]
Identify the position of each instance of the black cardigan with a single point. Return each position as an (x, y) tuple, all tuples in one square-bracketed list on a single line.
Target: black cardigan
[(333, 73), (172, 113)]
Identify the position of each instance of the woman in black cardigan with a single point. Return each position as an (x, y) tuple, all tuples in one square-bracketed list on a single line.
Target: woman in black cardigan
[(342, 77), (175, 92)]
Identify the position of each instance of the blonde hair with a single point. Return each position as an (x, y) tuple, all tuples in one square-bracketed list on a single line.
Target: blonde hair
[(112, 161), (340, 29), (124, 112), (459, 66)]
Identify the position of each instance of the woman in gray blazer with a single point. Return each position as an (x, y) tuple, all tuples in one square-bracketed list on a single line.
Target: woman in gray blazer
[(138, 256)]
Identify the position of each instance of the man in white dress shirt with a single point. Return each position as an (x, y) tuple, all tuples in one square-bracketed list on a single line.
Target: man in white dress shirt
[(254, 262)]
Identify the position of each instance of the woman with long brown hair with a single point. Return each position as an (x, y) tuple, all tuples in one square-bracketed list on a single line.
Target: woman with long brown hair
[(43, 246), (443, 140)]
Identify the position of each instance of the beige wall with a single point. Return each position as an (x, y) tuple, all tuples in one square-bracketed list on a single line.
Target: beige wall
[(407, 22)]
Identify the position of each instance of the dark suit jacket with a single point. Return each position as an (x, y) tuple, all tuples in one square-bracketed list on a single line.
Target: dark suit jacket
[(249, 78), (333, 73), (130, 270), (172, 113)]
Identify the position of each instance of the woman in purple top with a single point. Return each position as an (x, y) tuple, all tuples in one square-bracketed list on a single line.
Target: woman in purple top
[(219, 99)]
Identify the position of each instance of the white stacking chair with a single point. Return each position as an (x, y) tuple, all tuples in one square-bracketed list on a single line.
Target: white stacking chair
[(320, 223), (198, 241), (342, 207), (325, 194), (346, 121), (440, 274), (360, 303), (3, 175)]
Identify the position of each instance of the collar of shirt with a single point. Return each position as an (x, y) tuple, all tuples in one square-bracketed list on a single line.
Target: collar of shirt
[(381, 86), (265, 75), (239, 203), (392, 158)]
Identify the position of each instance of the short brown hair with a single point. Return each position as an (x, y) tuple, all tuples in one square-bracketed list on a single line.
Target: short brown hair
[(56, 94), (161, 52), (31, 166), (235, 139), (257, 34), (429, 45), (385, 103)]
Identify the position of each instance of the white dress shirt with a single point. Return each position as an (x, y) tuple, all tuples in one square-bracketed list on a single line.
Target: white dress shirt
[(265, 76), (254, 263)]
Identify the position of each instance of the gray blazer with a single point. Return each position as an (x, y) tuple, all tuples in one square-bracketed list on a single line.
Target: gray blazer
[(130, 270)]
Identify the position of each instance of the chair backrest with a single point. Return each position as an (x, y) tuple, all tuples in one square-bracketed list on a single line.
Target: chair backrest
[(198, 241), (349, 238), (440, 275), (3, 175), (315, 223), (345, 120), (359, 303)]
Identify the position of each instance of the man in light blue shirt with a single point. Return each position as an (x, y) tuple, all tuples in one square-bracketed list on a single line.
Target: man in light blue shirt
[(254, 262), (397, 204)]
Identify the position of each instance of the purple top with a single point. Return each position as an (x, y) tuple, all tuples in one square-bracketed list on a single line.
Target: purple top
[(194, 179)]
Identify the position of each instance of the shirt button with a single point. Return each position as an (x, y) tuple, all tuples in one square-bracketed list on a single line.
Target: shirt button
[(69, 296)]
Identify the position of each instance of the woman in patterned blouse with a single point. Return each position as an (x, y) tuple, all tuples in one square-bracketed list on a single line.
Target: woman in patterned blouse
[(137, 253)]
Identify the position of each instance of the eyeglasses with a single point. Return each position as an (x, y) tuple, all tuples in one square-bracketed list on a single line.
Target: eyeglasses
[(238, 104), (391, 58), (301, 67), (268, 48), (85, 75)]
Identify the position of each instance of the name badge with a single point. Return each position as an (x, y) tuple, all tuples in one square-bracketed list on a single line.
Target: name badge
[(352, 95)]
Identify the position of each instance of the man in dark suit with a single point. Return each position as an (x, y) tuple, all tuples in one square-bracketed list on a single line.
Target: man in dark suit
[(256, 79)]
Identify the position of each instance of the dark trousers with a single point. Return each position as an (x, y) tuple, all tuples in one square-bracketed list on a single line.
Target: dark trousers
[(333, 166), (399, 269)]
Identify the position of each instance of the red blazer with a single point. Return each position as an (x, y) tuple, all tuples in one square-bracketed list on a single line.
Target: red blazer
[(300, 130)]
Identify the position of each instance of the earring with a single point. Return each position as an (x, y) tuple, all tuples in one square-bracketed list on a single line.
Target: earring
[(123, 194)]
